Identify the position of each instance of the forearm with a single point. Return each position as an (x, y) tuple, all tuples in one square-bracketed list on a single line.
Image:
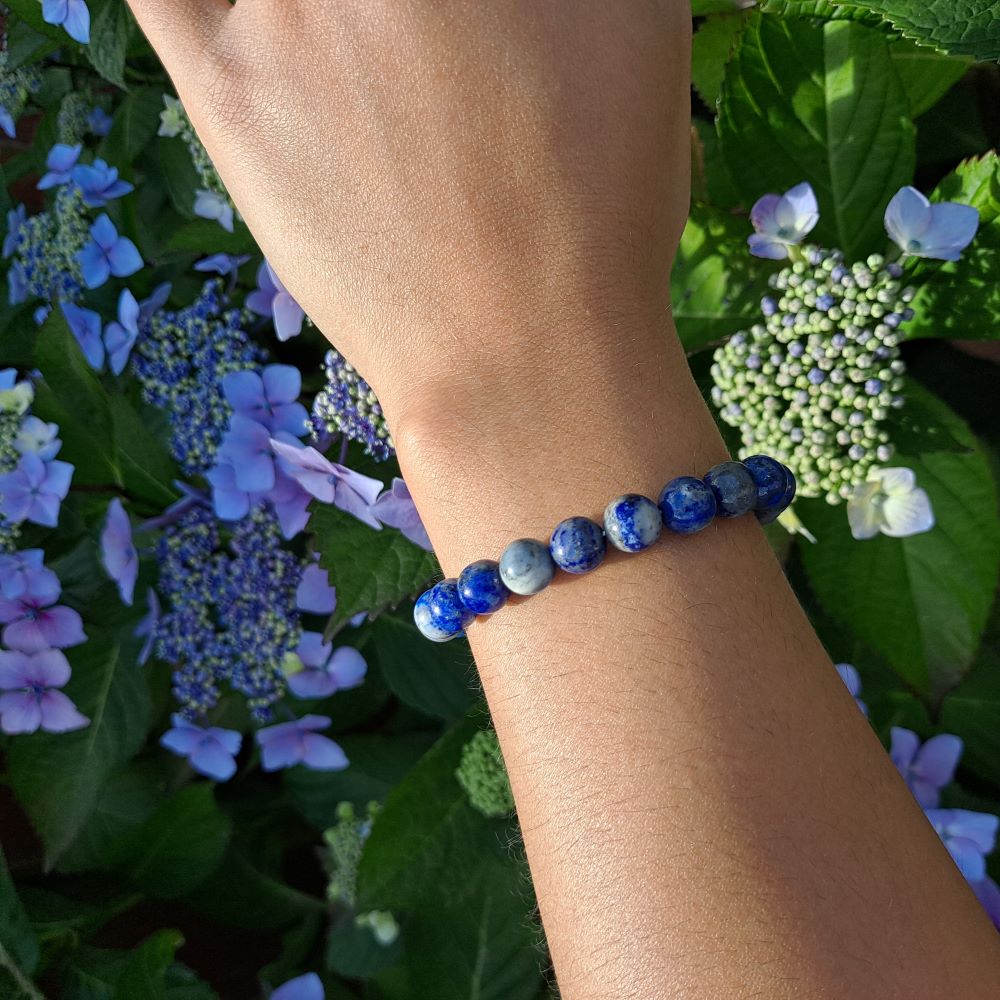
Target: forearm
[(706, 812)]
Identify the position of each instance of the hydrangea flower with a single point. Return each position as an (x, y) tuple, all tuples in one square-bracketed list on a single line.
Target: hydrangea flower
[(31, 699), (15, 397), (38, 437), (314, 593), (926, 768), (117, 551), (16, 217), (329, 482), (222, 263), (298, 742), (99, 183), (290, 503), (229, 501), (271, 299), (107, 254), (85, 325), (270, 398), (782, 221), (215, 207), (34, 490), (146, 629), (988, 894), (940, 231), (24, 573), (60, 163), (969, 837), (99, 122), (120, 335), (396, 509), (889, 501), (852, 680), (173, 118), (307, 987), (210, 751), (73, 15), (247, 447), (34, 622), (316, 670)]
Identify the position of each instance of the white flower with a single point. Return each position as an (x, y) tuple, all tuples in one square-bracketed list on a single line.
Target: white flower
[(172, 117), (891, 502), (782, 220), (17, 399)]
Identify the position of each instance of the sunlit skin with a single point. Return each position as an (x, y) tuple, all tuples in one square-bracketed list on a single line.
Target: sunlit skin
[(478, 203)]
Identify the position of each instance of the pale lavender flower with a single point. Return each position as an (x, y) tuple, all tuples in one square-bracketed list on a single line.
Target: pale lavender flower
[(247, 447), (38, 437), (314, 593), (290, 502), (99, 183), (117, 551), (210, 751), (99, 122), (323, 670), (24, 573), (329, 482), (940, 231), (307, 987), (298, 742), (34, 490), (31, 698), (222, 263), (270, 398), (926, 768), (73, 15), (85, 325), (214, 207), (782, 221), (120, 335), (396, 509), (969, 837), (60, 163), (33, 623), (146, 629), (272, 299), (852, 679), (106, 253), (16, 218), (7, 124)]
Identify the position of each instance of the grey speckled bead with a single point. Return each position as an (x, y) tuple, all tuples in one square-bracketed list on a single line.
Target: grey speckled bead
[(632, 522), (578, 545), (734, 488), (526, 566)]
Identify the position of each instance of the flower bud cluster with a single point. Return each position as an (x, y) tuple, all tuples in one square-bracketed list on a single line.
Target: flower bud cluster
[(483, 775), (814, 384), (72, 122), (347, 405), (16, 86), (344, 843), (180, 359)]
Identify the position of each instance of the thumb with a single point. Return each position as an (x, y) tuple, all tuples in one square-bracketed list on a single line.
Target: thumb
[(181, 31)]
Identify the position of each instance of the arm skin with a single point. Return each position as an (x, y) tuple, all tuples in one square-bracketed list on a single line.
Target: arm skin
[(478, 201)]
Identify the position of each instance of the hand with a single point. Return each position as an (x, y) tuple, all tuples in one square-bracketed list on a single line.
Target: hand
[(448, 188)]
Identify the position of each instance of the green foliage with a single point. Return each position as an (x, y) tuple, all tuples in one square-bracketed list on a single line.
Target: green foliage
[(483, 775), (921, 602), (18, 944), (824, 105)]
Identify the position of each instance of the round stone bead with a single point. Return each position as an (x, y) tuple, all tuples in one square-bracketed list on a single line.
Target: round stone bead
[(526, 566), (422, 619), (480, 587), (578, 545), (734, 488), (687, 505), (770, 478), (771, 515), (447, 612), (632, 522)]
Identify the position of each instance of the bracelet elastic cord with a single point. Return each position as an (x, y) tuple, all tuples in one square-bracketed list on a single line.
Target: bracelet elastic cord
[(578, 545)]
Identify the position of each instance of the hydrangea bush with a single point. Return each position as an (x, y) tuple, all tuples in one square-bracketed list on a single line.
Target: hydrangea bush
[(232, 767)]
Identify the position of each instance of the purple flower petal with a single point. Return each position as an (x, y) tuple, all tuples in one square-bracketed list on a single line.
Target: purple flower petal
[(347, 667), (20, 712), (59, 714), (307, 987), (321, 754), (117, 551), (314, 593), (211, 759)]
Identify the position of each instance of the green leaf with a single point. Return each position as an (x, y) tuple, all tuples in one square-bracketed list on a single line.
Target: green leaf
[(147, 471), (711, 47), (180, 845), (109, 40), (972, 29), (30, 11), (437, 678), (372, 570), (822, 103), (828, 10), (203, 236), (144, 974), (59, 778), (703, 8), (18, 944), (715, 285), (467, 926), (926, 74), (134, 126), (962, 299), (378, 763), (72, 396), (921, 602), (26, 45), (972, 711)]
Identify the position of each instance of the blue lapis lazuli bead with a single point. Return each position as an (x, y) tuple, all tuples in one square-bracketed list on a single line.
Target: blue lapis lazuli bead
[(423, 619), (687, 505), (734, 488), (526, 567), (770, 515), (578, 545), (632, 522), (480, 587), (770, 477), (448, 613)]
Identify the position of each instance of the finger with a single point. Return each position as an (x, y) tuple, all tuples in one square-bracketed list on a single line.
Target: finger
[(181, 31)]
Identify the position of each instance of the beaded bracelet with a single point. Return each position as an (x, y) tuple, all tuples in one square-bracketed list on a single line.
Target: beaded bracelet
[(578, 545)]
